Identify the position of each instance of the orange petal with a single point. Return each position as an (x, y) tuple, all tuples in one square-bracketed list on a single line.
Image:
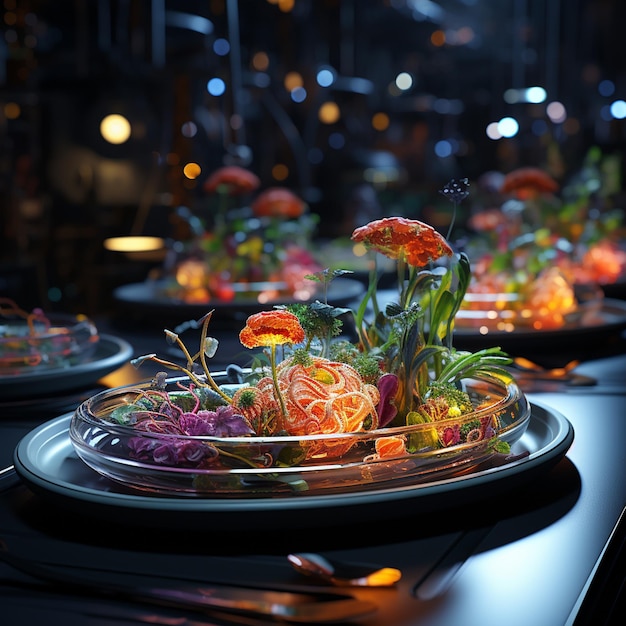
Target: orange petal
[(236, 179), (278, 202), (271, 328), (398, 237)]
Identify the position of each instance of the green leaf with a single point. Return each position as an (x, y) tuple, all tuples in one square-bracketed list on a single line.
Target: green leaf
[(123, 414), (502, 447)]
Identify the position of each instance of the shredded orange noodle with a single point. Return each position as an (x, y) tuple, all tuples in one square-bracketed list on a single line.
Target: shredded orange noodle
[(325, 397)]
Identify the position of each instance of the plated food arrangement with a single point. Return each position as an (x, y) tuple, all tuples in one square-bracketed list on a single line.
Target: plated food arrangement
[(316, 411), (35, 340)]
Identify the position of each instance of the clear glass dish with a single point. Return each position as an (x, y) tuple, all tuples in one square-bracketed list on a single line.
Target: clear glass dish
[(53, 340), (250, 466)]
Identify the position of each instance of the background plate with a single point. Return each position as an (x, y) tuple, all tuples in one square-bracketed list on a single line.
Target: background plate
[(46, 462), (111, 353), (147, 298), (607, 320)]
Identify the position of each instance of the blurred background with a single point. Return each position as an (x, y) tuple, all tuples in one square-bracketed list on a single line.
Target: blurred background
[(361, 107)]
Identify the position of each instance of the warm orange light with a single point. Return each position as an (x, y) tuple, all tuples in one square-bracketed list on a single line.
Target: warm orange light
[(292, 81), (191, 274), (260, 61), (192, 170), (115, 129), (329, 113), (438, 38), (384, 577), (286, 5), (280, 171), (133, 244), (12, 110), (359, 249), (380, 121)]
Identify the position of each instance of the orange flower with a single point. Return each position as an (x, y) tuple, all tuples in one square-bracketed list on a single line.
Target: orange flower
[(235, 179), (528, 182), (278, 202), (271, 328), (398, 237)]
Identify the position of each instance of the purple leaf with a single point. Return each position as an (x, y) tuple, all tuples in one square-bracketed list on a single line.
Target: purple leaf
[(387, 387)]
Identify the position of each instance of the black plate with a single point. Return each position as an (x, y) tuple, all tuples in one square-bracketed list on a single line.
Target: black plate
[(149, 298), (46, 461)]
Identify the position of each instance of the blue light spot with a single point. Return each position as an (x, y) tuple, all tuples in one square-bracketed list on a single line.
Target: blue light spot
[(618, 109), (508, 126), (221, 47), (325, 78), (260, 79), (605, 113), (216, 87), (606, 88), (298, 94), (443, 149), (336, 141)]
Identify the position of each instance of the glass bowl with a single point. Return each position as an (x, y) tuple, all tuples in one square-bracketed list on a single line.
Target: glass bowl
[(170, 463), (55, 340)]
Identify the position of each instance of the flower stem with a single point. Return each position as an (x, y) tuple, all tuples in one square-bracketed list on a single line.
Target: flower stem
[(279, 396), (205, 367), (401, 267)]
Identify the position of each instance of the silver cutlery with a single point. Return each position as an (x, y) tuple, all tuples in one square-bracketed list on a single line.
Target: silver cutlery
[(526, 370), (343, 574), (285, 606), (6, 471), (8, 477)]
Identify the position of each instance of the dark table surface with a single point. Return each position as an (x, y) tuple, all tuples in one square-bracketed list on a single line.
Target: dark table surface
[(529, 555)]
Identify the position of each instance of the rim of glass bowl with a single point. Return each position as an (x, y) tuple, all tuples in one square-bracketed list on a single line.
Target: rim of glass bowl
[(511, 393), (58, 321)]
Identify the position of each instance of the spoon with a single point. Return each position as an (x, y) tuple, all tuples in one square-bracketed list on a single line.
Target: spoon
[(245, 602), (555, 372), (343, 574)]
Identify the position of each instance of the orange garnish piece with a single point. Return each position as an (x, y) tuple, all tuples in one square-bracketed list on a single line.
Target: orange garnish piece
[(390, 446)]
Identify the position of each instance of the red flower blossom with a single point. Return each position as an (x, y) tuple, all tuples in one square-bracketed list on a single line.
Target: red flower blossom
[(235, 179), (398, 237), (487, 220), (278, 202), (528, 182), (271, 328)]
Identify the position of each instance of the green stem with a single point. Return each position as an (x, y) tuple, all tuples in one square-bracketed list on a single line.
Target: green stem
[(401, 267), (279, 396), (411, 285), (238, 457)]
